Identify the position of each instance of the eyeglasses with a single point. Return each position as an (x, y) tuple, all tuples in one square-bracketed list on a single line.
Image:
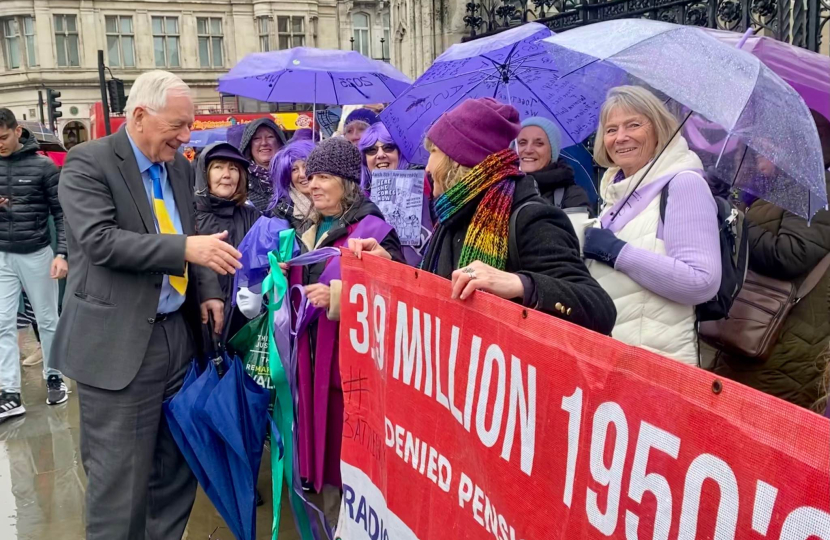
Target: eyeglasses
[(387, 149)]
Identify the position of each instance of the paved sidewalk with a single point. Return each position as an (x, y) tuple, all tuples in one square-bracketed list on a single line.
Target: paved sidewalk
[(42, 481)]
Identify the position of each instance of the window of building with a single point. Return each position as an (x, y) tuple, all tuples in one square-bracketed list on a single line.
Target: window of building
[(209, 30), (120, 41), (11, 43), (360, 27), (166, 41), (18, 41), (264, 28), (66, 41), (291, 32), (387, 35), (29, 36)]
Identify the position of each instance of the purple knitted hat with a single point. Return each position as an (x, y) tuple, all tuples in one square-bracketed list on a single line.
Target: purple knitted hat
[(475, 129)]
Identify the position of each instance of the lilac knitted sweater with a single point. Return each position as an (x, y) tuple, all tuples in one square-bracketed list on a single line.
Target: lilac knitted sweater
[(690, 272)]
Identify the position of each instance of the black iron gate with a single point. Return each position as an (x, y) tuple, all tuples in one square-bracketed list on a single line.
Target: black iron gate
[(800, 22)]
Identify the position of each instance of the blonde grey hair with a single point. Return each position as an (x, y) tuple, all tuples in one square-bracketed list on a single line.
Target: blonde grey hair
[(638, 101), (454, 170), (151, 90)]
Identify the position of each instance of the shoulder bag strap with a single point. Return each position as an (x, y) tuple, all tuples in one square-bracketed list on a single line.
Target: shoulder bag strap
[(813, 278), (512, 246), (558, 196)]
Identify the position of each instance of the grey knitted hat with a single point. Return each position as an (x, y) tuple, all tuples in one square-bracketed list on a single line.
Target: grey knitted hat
[(335, 156)]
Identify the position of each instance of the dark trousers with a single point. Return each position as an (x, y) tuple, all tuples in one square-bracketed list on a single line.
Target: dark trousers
[(140, 487)]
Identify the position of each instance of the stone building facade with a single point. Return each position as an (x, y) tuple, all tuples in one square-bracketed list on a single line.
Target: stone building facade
[(54, 44), (422, 30)]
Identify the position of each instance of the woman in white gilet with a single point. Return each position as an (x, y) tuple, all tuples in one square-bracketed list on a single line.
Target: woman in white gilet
[(655, 272)]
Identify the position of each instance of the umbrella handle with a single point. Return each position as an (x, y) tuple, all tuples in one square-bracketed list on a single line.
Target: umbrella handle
[(218, 348)]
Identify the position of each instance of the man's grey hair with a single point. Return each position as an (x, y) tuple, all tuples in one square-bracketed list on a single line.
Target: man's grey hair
[(151, 90)]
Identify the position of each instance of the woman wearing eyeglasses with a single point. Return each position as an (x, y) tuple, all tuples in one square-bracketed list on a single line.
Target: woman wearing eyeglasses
[(378, 151)]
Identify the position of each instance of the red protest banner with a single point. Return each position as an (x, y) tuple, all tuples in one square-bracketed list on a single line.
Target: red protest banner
[(481, 419)]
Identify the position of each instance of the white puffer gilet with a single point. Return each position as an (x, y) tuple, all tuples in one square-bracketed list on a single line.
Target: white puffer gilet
[(646, 319)]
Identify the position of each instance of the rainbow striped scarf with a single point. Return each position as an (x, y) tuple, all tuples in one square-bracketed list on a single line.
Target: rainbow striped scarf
[(487, 235)]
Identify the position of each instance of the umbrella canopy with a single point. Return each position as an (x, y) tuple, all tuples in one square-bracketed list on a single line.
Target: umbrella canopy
[(237, 412), (806, 71), (510, 66), (778, 155), (305, 74), (219, 425), (206, 137)]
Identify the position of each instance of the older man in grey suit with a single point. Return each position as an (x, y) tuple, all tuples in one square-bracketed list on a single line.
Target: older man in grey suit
[(139, 284)]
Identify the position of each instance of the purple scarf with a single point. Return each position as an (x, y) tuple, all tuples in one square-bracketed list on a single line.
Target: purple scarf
[(628, 208)]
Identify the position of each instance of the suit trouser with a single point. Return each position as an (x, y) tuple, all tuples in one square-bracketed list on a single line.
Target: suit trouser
[(140, 487), (31, 272)]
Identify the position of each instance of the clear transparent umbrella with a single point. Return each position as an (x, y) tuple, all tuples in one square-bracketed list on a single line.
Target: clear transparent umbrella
[(755, 132)]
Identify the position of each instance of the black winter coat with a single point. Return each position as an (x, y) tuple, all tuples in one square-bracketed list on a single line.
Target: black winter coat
[(260, 192), (30, 182), (560, 175), (214, 215), (549, 255)]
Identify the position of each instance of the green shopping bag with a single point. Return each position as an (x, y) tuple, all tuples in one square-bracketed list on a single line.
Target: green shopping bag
[(251, 345)]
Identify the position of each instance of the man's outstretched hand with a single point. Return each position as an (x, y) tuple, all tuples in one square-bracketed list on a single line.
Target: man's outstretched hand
[(213, 252)]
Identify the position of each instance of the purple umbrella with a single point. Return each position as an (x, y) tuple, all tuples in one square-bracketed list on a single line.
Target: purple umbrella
[(510, 66), (806, 71), (304, 74), (205, 137)]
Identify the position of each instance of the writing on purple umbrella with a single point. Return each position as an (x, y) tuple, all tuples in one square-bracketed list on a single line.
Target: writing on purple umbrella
[(415, 103), (355, 82)]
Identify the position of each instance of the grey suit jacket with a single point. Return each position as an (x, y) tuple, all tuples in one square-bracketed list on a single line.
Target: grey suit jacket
[(117, 262)]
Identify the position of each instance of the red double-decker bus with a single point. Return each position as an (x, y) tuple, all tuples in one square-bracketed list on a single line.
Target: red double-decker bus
[(288, 121)]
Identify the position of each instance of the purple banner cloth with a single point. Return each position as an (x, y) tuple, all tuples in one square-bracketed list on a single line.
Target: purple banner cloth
[(258, 242), (320, 408)]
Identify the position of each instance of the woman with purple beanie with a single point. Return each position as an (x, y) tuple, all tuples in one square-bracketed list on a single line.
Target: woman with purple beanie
[(656, 271), (292, 191), (495, 234)]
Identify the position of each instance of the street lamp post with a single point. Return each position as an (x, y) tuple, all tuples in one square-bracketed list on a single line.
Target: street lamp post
[(382, 49), (352, 42)]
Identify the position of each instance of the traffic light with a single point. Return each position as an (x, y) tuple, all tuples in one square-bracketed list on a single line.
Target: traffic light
[(115, 89), (53, 105)]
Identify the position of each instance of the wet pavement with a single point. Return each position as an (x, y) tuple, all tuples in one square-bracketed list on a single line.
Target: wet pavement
[(42, 480)]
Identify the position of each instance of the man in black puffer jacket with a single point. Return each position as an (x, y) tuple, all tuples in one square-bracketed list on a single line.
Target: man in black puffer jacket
[(28, 196)]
